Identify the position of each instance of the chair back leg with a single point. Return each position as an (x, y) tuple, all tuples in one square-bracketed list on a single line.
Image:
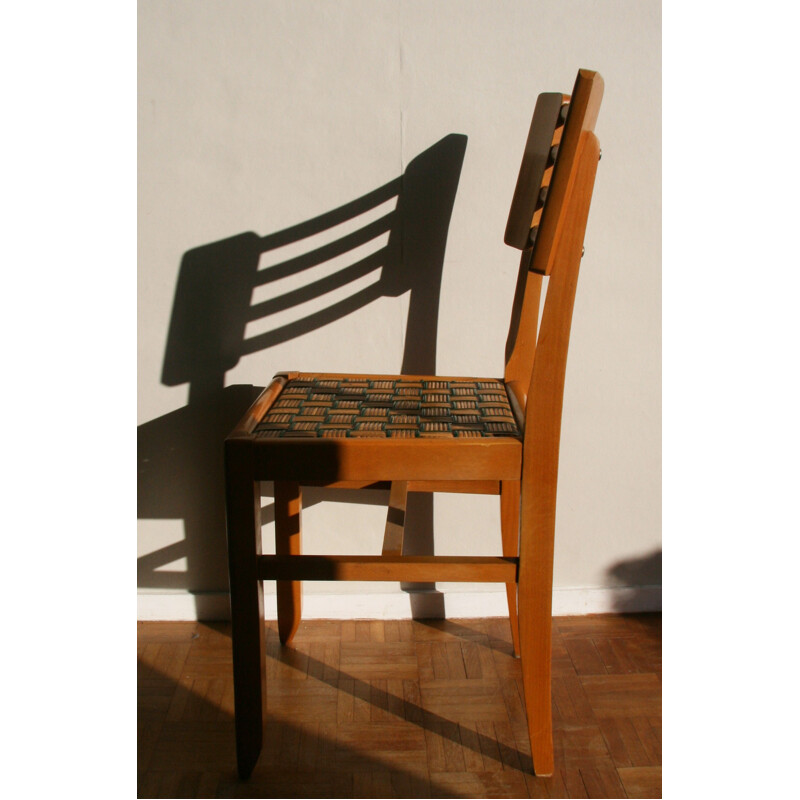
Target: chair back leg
[(535, 636), (509, 527), (288, 542)]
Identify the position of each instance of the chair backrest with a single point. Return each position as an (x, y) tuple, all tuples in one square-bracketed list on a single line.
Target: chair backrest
[(547, 216), (551, 201)]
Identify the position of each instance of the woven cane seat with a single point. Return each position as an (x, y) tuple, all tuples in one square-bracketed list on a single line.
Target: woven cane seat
[(398, 407)]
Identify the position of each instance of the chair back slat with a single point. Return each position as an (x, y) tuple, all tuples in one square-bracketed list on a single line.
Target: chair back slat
[(537, 159)]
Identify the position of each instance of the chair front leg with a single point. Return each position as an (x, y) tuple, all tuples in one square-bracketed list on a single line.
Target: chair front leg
[(243, 506), (288, 533)]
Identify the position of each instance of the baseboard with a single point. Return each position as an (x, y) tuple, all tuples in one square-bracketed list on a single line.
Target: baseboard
[(208, 606)]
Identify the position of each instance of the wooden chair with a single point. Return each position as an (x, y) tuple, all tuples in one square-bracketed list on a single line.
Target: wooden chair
[(432, 434)]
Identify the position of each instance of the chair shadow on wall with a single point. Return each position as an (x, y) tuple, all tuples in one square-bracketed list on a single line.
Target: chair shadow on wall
[(394, 236)]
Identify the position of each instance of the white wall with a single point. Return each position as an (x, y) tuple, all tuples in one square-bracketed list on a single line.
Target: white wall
[(256, 116)]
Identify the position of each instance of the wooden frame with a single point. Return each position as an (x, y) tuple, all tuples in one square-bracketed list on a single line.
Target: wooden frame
[(547, 222)]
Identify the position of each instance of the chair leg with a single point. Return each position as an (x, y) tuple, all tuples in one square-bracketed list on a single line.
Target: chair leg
[(288, 532), (509, 526), (243, 505), (535, 633)]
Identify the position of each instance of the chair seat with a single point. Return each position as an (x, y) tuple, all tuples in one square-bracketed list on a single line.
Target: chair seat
[(328, 428), (353, 406)]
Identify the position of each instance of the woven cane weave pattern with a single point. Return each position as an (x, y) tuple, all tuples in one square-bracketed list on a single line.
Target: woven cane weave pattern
[(399, 408)]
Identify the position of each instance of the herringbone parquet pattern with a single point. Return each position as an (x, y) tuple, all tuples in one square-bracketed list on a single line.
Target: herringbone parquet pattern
[(403, 709)]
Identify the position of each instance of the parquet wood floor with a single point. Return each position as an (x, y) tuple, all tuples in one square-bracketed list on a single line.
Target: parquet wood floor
[(403, 709)]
